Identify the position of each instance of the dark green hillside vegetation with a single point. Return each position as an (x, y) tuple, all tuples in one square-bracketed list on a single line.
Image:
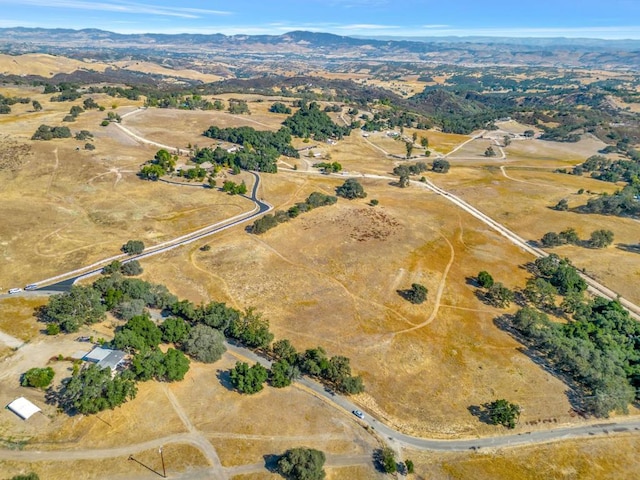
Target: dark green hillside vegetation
[(309, 121), (597, 350), (315, 200), (260, 151)]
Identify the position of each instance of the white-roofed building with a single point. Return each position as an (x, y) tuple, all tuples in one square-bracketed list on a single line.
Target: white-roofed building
[(105, 357), (23, 408)]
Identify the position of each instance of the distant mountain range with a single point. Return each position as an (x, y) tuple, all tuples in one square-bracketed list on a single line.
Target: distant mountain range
[(547, 52)]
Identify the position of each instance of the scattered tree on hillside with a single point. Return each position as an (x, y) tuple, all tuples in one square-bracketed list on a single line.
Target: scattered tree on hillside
[(417, 294), (302, 464), (502, 412), (45, 132), (409, 148), (562, 205), (490, 152), (131, 268), (601, 238), (385, 458), (499, 296), (133, 247), (280, 107), (441, 165), (485, 280), (351, 189), (36, 105)]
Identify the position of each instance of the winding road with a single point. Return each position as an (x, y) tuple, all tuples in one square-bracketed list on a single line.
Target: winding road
[(343, 404)]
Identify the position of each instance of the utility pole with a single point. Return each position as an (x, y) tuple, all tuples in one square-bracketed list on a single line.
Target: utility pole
[(164, 472)]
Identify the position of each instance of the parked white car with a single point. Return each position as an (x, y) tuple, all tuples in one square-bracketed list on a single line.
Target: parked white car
[(15, 290)]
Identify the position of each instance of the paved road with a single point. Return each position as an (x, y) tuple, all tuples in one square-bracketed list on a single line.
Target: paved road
[(631, 424), (53, 286)]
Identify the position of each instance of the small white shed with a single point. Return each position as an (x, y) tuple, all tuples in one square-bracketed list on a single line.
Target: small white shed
[(23, 408)]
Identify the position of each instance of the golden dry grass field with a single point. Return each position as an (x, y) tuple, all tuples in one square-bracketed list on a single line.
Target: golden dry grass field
[(65, 207), (329, 277), (585, 459), (49, 65)]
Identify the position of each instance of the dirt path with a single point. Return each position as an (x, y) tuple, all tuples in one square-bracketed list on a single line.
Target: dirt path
[(55, 170), (441, 286), (198, 438), (353, 296), (10, 341), (504, 173)]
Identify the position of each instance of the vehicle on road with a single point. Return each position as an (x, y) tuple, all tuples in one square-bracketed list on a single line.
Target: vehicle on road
[(15, 290), (358, 414), (83, 339), (31, 286)]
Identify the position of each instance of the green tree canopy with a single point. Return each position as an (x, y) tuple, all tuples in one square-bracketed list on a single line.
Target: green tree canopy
[(248, 379), (82, 305), (351, 189), (205, 344), (302, 464), (94, 389), (502, 412), (37, 377)]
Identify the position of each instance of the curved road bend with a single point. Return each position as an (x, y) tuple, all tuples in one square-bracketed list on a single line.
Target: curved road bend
[(260, 207), (507, 440)]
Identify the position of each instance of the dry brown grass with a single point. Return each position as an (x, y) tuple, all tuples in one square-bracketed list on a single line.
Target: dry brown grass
[(244, 428), (339, 291), (532, 193), (17, 317), (65, 208), (588, 459), (179, 459)]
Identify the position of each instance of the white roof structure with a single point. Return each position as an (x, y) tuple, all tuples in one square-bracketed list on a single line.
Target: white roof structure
[(23, 408), (105, 357), (97, 354)]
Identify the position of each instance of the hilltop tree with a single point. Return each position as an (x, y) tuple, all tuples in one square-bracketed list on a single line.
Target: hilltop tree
[(351, 189)]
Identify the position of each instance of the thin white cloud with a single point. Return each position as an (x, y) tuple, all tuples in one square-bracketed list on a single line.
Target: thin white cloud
[(121, 7), (366, 26), (435, 26)]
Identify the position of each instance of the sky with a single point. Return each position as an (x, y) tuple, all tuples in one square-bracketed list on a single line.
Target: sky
[(611, 19)]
